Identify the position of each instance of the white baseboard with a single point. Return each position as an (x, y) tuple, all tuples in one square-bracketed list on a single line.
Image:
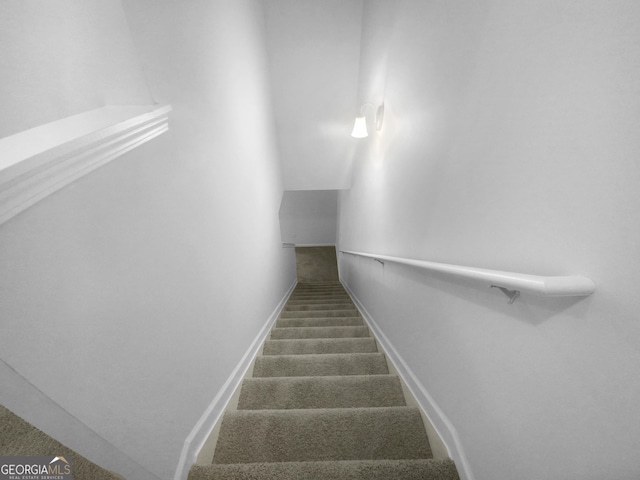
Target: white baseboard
[(216, 408), (436, 416)]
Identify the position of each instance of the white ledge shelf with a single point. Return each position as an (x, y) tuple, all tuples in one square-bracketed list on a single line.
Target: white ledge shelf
[(39, 161), (548, 286)]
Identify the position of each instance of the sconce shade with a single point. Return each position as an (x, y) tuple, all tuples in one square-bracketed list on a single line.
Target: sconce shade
[(360, 128)]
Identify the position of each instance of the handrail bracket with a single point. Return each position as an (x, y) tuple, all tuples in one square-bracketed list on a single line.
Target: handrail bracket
[(512, 294)]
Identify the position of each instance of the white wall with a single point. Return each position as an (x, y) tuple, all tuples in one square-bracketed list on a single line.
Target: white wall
[(129, 297), (314, 49), (309, 217), (509, 143), (47, 74)]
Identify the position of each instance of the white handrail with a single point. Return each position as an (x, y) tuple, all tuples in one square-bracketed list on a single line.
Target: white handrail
[(549, 286)]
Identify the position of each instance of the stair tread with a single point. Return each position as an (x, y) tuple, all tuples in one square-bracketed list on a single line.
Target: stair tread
[(352, 391), (248, 436), (302, 346), (319, 332), (319, 322), (421, 469), (320, 364), (348, 312)]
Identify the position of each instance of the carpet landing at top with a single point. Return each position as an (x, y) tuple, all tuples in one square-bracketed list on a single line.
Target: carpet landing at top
[(316, 264), (321, 404)]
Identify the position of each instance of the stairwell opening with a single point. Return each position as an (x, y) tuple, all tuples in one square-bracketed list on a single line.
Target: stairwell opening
[(321, 400)]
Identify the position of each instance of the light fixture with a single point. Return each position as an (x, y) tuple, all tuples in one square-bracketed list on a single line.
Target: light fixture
[(360, 126)]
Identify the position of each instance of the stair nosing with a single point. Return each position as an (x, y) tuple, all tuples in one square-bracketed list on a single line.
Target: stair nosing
[(321, 411), (310, 340), (326, 355), (310, 379)]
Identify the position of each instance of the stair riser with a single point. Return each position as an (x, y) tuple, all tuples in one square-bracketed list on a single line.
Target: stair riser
[(311, 300), (320, 346), (318, 301), (318, 294), (319, 322), (332, 434), (317, 365), (320, 288), (326, 290), (320, 314), (319, 332)]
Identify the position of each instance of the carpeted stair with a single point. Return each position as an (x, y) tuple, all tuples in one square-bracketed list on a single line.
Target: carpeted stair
[(321, 404), (20, 438)]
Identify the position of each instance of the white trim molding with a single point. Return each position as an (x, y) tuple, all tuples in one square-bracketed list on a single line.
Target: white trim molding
[(445, 429), (42, 160), (205, 425)]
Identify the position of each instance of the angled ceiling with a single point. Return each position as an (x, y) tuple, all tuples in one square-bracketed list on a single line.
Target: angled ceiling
[(314, 54)]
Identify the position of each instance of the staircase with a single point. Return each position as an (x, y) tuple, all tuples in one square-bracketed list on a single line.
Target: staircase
[(322, 405)]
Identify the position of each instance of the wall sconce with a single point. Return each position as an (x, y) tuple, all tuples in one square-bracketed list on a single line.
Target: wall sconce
[(360, 126)]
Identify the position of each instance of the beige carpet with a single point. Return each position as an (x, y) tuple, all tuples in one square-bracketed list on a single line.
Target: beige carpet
[(322, 405), (316, 264), (18, 438)]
